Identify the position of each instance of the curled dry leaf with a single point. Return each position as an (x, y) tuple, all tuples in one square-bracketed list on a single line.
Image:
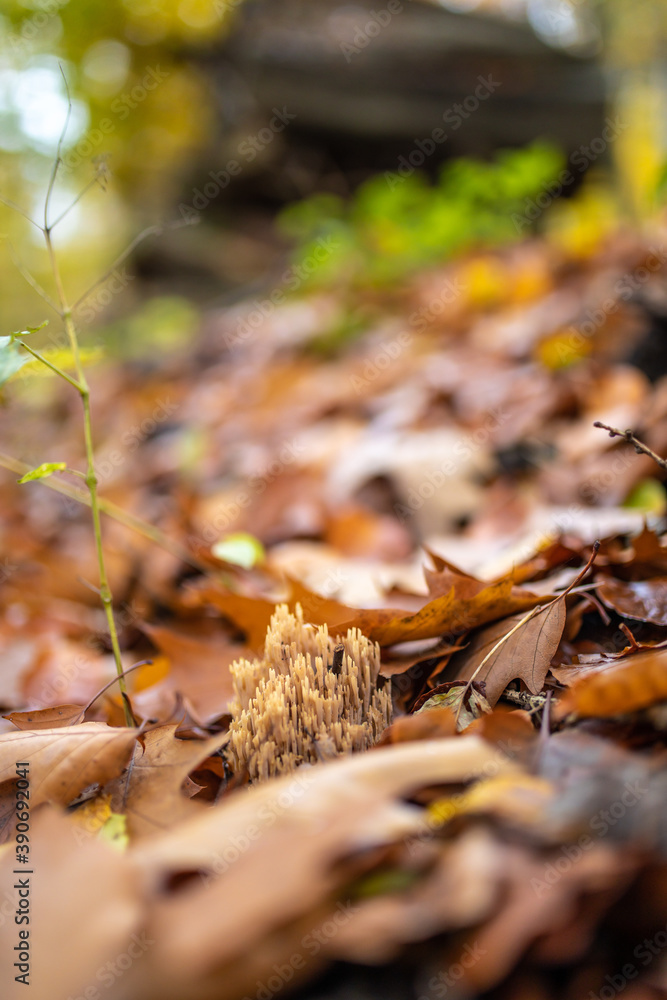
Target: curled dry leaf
[(644, 600), (47, 718), (526, 654), (631, 684), (467, 702)]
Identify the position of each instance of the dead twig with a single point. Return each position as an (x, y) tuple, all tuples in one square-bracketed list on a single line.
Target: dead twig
[(639, 446)]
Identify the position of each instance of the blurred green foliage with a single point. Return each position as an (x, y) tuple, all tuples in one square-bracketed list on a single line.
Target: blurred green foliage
[(395, 225)]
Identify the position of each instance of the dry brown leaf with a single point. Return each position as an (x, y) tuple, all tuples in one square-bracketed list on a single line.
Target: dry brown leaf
[(644, 600), (47, 718), (150, 792), (85, 905), (636, 682), (266, 859), (447, 614), (437, 723), (65, 761), (526, 654)]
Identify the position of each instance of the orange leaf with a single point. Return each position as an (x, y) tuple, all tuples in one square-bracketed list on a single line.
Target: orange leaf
[(634, 683)]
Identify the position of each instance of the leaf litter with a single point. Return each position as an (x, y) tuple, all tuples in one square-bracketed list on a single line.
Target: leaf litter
[(506, 834)]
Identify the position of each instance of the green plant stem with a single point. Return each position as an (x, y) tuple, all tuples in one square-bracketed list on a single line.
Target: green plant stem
[(111, 510), (91, 478), (49, 364)]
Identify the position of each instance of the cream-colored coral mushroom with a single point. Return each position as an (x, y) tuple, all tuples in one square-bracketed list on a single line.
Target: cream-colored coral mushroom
[(310, 696)]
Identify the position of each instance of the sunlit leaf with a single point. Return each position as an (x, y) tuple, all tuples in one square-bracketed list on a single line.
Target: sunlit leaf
[(43, 471), (240, 548)]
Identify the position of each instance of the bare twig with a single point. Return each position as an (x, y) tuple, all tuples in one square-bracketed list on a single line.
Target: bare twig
[(639, 446)]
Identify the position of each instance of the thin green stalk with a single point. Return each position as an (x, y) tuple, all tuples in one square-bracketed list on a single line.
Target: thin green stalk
[(91, 477), (49, 364)]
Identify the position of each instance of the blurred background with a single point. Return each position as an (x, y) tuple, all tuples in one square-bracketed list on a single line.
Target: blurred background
[(380, 229), (167, 95)]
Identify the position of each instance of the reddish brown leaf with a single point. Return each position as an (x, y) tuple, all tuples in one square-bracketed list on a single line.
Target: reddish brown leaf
[(645, 600)]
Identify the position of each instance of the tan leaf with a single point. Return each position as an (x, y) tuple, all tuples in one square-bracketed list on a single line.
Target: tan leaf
[(626, 686), (526, 654), (47, 718), (271, 850), (62, 762), (150, 792), (84, 910), (198, 670)]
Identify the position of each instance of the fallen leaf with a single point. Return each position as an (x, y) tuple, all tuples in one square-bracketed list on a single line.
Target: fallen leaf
[(62, 762), (85, 906), (526, 654), (436, 723), (198, 670), (634, 683), (644, 600), (150, 793), (47, 718), (271, 850), (467, 702), (448, 614)]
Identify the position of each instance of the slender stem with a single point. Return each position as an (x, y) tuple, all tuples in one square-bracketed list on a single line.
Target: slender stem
[(76, 201), (143, 235), (49, 364), (111, 510), (25, 273), (17, 208), (91, 478)]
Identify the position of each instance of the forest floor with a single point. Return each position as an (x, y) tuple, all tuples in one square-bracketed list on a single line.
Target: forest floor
[(436, 481)]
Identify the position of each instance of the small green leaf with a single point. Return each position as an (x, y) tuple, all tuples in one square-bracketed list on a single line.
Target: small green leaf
[(240, 548), (648, 496), (10, 359), (43, 471), (30, 329)]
